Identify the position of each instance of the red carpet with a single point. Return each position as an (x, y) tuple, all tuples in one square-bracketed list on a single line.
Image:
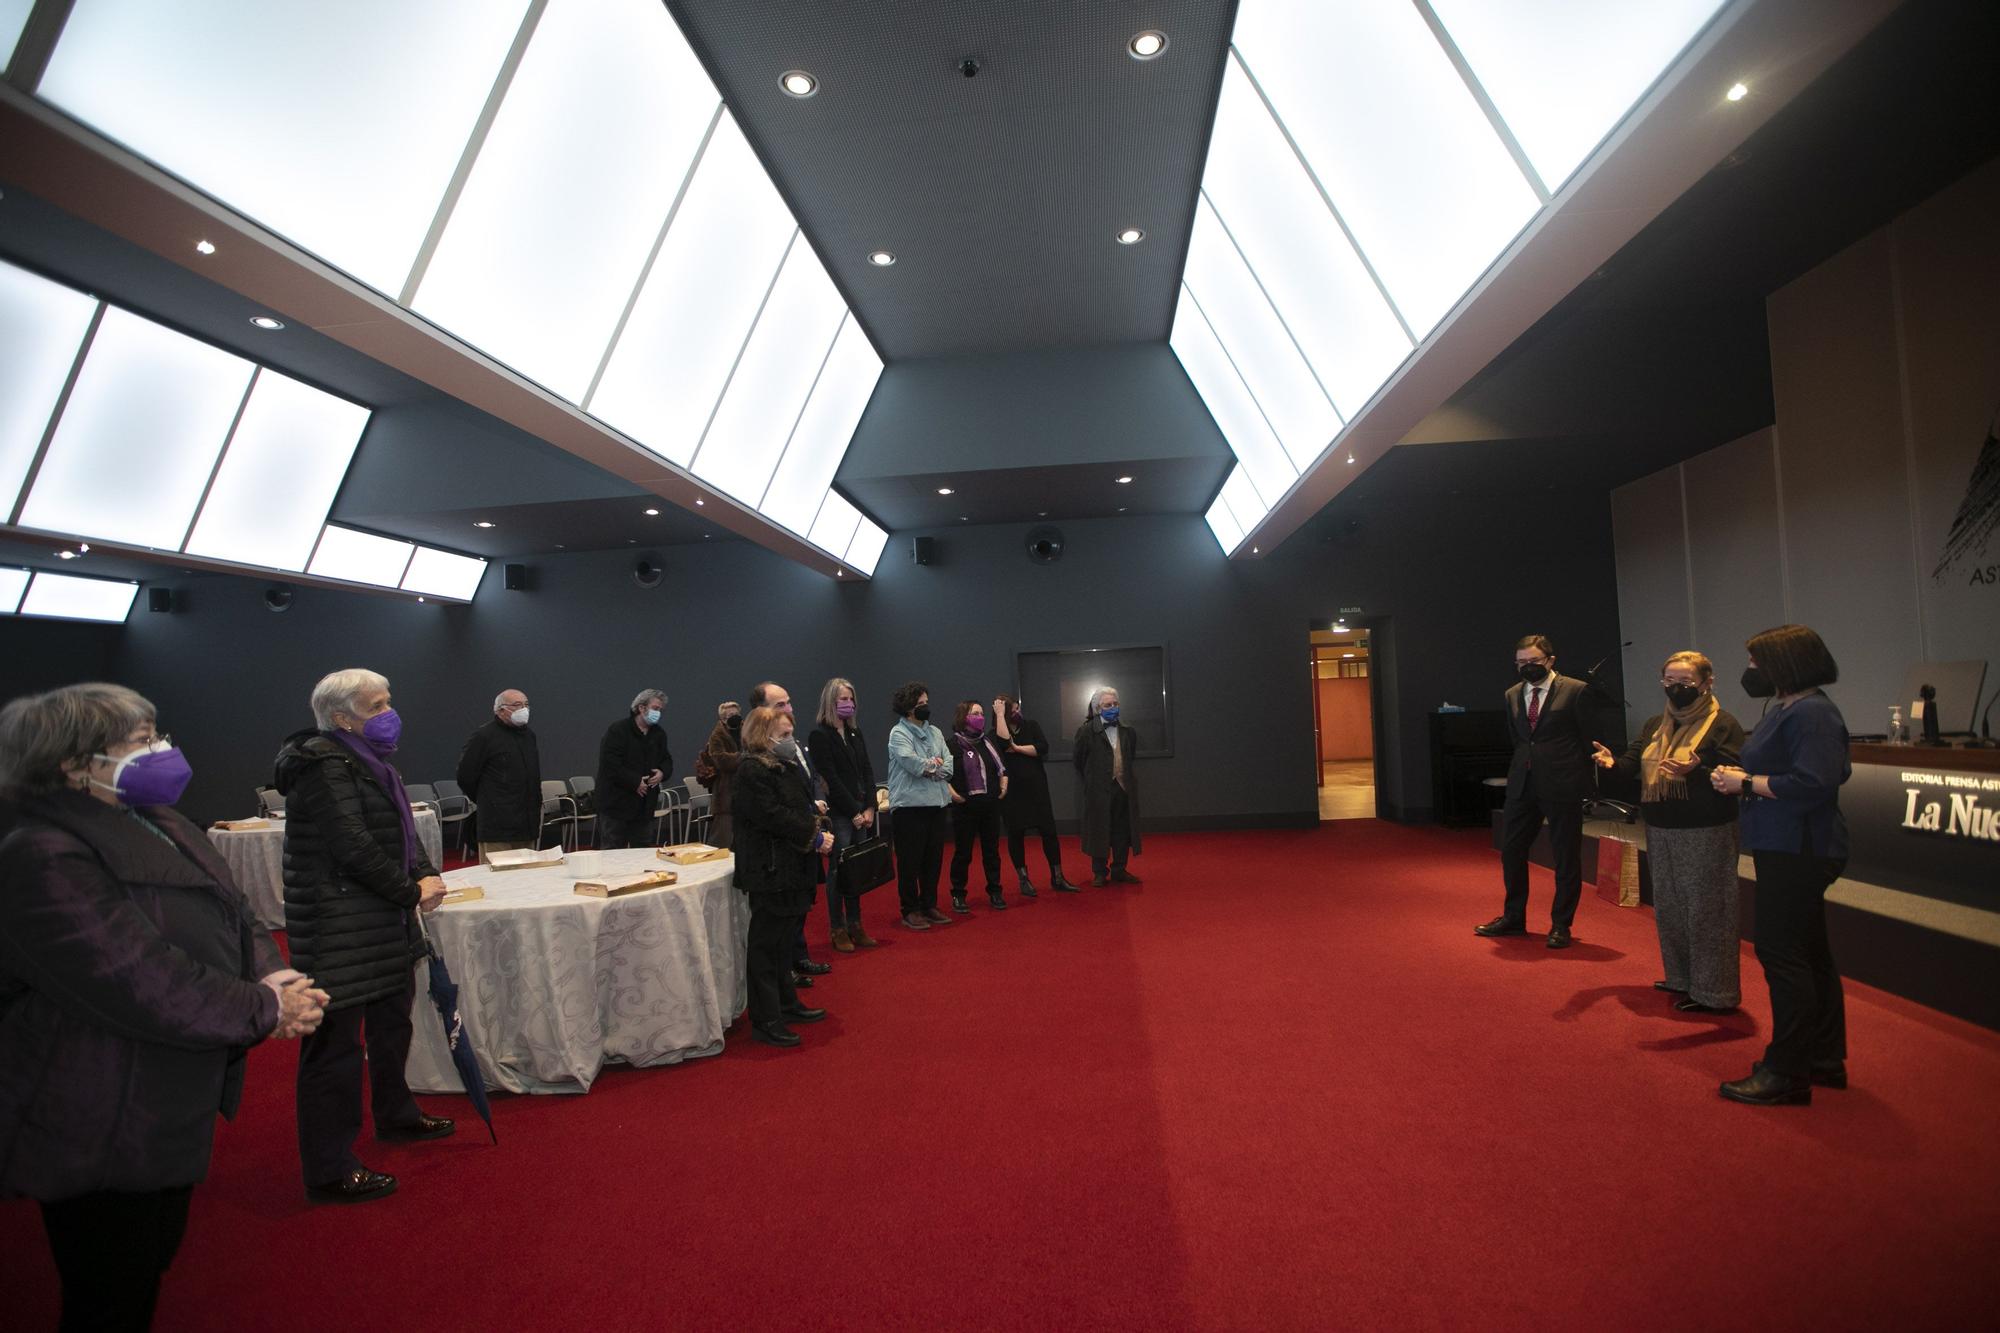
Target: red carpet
[(1281, 1085)]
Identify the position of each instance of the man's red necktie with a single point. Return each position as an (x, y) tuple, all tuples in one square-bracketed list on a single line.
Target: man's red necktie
[(1534, 708)]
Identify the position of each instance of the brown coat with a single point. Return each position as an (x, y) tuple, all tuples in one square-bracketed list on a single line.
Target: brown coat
[(725, 754)]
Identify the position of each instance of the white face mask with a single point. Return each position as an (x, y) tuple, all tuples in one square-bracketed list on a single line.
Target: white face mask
[(519, 717)]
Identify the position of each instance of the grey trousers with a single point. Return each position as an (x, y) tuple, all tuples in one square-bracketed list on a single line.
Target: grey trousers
[(1694, 908)]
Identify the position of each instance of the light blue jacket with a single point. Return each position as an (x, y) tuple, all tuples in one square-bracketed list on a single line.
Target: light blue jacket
[(910, 745)]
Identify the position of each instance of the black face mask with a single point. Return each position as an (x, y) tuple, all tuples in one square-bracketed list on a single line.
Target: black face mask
[(922, 712), (1681, 696), (1532, 672), (1756, 684)]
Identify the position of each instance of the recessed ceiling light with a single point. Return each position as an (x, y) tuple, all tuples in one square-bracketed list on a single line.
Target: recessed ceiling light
[(652, 513), (945, 490), (840, 573), (1124, 481), (1737, 92), (706, 535), (268, 323), (965, 518), (204, 247), (698, 500), (482, 523), (1147, 45), (1347, 654), (1041, 513), (1121, 509), (1253, 550), (1131, 236), (798, 83), (65, 555), (881, 258)]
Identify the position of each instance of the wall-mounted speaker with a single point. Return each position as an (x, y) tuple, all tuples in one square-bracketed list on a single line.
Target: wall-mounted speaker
[(923, 550), (517, 578), (159, 599), (1045, 545), (648, 572), (278, 597)]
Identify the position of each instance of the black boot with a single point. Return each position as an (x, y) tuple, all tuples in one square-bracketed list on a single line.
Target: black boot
[(1767, 1087), (1027, 885), (1061, 885), (958, 905)]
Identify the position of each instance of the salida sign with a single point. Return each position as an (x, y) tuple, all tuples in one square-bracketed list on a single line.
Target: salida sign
[(1952, 805)]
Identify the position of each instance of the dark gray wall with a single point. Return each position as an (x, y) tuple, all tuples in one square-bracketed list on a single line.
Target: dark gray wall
[(1449, 580)]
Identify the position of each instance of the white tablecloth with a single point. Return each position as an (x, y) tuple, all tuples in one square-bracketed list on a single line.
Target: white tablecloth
[(256, 857), (552, 984)]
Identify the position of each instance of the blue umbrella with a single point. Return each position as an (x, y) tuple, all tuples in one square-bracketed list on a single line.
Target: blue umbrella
[(444, 994)]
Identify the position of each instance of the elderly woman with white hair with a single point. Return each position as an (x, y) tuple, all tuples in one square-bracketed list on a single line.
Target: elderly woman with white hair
[(633, 763), (355, 878)]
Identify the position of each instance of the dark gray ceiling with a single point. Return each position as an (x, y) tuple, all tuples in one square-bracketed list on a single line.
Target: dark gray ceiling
[(1000, 194)]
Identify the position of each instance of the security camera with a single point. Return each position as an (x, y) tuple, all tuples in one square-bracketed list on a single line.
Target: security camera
[(278, 597), (969, 67), (1045, 545), (647, 573)]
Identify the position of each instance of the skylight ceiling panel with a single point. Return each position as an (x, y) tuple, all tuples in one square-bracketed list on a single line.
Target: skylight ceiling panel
[(1235, 410), (833, 530), (1257, 341), (139, 435), (361, 557), (337, 126), (13, 582), (865, 552), (1563, 73), (1297, 250), (1245, 506), (570, 189), (772, 379), (1393, 134), (278, 479), (64, 597), (444, 574), (1223, 524), (13, 17), (832, 412), (42, 323), (699, 301)]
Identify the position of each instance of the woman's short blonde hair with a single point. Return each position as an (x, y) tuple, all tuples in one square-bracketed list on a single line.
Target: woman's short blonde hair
[(1703, 668), (757, 729), (338, 691), (39, 733)]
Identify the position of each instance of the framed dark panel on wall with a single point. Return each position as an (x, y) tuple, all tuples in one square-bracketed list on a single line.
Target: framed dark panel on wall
[(1056, 685)]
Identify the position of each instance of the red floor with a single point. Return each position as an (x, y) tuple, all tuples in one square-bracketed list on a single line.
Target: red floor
[(1281, 1085)]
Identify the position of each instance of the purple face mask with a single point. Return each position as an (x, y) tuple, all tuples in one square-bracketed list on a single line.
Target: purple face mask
[(844, 708), (976, 723), (149, 777), (383, 731)]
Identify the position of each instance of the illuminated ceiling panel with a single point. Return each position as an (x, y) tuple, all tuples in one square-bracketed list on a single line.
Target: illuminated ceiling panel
[(834, 527), (1293, 243), (1242, 499), (813, 454), (570, 189), (13, 582), (865, 551), (1236, 412), (443, 574), (1223, 524), (41, 326), (337, 126), (139, 436), (361, 557), (774, 375), (63, 597), (1395, 138), (1563, 73), (278, 479), (699, 302), (1264, 354), (13, 17)]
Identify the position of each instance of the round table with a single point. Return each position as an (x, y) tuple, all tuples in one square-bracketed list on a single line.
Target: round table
[(553, 984), (256, 857)]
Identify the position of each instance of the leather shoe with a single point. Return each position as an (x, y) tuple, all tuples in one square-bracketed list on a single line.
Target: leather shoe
[(1767, 1087), (860, 938), (935, 917), (358, 1186), (1125, 877), (1692, 1006), (777, 1034), (1559, 937), (800, 981), (802, 1013), (1061, 885), (1500, 925), (1098, 881), (913, 921), (812, 969), (1828, 1074), (958, 905), (1670, 988), (424, 1127), (996, 902)]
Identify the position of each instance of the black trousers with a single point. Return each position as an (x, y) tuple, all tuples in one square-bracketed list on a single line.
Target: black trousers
[(918, 832), (769, 964), (1121, 835), (613, 833), (1017, 849), (1808, 1007), (978, 818), (1519, 824), (111, 1249), (329, 1087)]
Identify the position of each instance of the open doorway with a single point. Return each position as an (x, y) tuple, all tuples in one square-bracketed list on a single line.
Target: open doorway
[(1343, 721)]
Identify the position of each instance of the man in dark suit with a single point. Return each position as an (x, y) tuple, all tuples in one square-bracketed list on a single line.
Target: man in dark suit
[(1106, 756), (500, 771), (1550, 777)]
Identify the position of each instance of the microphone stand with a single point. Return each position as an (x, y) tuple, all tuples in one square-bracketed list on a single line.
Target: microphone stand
[(1985, 741)]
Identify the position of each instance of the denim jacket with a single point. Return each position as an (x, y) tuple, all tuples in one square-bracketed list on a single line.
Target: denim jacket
[(910, 745)]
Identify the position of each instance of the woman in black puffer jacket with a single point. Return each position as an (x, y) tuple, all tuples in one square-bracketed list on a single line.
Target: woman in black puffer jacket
[(778, 846), (354, 871)]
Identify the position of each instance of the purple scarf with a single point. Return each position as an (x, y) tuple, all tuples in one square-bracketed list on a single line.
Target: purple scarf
[(971, 764), (392, 783)]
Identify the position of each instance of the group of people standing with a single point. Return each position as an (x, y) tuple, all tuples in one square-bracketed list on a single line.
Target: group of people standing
[(1705, 790)]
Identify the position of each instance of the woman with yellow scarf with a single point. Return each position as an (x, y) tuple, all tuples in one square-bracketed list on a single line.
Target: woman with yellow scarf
[(1690, 834)]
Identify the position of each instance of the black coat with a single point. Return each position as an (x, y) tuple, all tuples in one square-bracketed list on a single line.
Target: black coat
[(129, 989), (1558, 750), (624, 756), (1027, 805), (350, 915), (843, 765), (501, 770), (1095, 786), (776, 825), (1703, 806)]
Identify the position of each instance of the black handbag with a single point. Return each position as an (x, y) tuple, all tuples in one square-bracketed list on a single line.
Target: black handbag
[(863, 866)]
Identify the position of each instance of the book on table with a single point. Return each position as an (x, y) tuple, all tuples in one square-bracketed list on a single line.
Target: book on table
[(617, 886)]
